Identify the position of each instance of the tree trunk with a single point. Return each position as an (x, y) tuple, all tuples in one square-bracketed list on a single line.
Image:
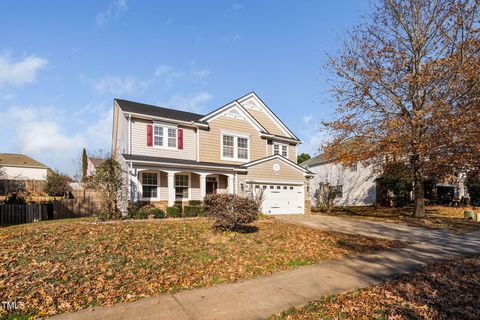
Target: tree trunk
[(419, 195)]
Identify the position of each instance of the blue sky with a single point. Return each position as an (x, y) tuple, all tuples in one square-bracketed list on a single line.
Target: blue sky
[(62, 63)]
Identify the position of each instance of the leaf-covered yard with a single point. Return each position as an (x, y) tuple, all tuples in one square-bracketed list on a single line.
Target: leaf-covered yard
[(440, 291), (438, 217), (68, 265)]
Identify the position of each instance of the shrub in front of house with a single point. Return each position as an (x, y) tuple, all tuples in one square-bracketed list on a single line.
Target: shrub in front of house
[(143, 211), (228, 211), (195, 203), (174, 211), (192, 211)]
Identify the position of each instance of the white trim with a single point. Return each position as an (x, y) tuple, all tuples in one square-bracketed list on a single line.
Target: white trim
[(162, 119), (281, 145), (198, 143), (293, 183), (186, 166), (223, 110), (235, 146), (189, 174), (140, 180), (269, 113), (129, 134), (165, 128), (279, 157)]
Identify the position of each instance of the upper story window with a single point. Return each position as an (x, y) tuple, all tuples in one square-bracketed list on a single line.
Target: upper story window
[(235, 147), (164, 136), (281, 149), (354, 168)]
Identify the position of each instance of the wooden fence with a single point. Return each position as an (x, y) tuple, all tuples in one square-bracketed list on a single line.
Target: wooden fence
[(73, 208), (23, 213)]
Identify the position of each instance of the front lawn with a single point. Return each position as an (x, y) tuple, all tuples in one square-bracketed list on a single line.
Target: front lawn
[(68, 265), (441, 291), (438, 217)]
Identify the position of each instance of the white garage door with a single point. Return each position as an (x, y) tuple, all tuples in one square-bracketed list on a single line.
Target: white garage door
[(282, 199)]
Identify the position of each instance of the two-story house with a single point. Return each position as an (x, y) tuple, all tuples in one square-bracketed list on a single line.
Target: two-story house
[(176, 156)]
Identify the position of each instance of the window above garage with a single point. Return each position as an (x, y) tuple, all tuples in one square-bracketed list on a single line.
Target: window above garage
[(280, 148)]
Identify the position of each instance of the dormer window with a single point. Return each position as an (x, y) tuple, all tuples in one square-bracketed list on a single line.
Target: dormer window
[(281, 149)]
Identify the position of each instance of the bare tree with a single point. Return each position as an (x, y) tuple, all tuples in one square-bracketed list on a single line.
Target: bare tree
[(405, 82), (325, 196), (110, 180)]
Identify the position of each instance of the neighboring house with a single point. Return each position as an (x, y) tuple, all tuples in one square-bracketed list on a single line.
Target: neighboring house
[(176, 156), (22, 167), (357, 185), (92, 164), (19, 173)]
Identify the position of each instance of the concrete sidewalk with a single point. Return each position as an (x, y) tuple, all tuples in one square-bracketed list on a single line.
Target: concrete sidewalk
[(260, 297)]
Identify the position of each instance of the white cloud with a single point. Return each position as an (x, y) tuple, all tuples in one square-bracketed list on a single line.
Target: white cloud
[(233, 38), (237, 6), (115, 11), (189, 102), (170, 75), (118, 85), (17, 73), (307, 119), (38, 132)]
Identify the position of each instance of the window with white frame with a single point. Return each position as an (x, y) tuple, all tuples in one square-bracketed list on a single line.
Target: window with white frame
[(234, 147), (281, 149), (164, 136), (181, 186), (149, 185), (158, 136)]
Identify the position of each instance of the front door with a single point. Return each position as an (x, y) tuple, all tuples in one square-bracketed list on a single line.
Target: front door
[(212, 185)]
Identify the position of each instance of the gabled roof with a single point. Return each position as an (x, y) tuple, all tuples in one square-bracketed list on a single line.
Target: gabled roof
[(278, 157), (19, 160), (155, 111), (173, 114), (270, 113), (230, 105), (317, 160)]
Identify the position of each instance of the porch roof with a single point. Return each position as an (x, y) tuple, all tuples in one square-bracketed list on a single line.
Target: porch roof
[(181, 162)]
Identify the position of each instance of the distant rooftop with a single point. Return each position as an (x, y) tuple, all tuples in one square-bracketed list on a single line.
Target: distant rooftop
[(19, 160)]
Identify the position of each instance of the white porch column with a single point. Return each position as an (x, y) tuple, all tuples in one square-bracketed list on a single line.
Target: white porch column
[(230, 183), (203, 185), (171, 188)]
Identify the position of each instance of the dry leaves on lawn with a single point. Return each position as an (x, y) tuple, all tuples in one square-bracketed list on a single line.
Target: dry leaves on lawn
[(69, 265), (440, 291)]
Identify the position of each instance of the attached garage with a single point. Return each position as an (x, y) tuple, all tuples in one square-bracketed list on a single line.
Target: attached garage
[(282, 198), (284, 185)]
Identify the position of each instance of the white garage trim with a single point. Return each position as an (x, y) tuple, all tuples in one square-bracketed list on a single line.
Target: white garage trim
[(298, 183), (281, 197)]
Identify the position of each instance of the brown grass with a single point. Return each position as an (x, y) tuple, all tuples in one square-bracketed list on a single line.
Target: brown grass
[(438, 217), (61, 266)]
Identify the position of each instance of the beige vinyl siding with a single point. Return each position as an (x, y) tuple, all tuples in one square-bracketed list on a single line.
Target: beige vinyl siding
[(195, 187), (292, 152), (264, 171), (139, 143), (163, 185), (210, 147), (266, 122), (121, 123)]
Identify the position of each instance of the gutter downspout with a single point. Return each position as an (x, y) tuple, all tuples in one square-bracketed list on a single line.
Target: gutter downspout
[(129, 134)]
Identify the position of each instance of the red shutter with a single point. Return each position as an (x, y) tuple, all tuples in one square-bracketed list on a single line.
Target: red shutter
[(149, 135), (180, 138)]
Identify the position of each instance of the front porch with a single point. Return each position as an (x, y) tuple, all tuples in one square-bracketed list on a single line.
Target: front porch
[(165, 186)]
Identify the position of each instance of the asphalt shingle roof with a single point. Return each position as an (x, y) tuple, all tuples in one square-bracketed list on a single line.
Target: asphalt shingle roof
[(177, 161), (19, 160), (151, 110)]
